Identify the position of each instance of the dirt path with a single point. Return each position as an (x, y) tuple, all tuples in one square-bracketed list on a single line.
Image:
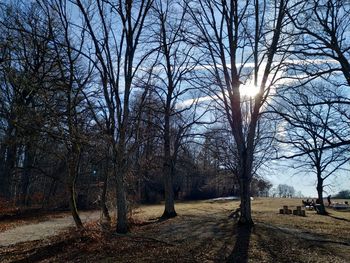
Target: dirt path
[(42, 230)]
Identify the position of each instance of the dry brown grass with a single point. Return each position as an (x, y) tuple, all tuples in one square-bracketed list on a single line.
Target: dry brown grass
[(203, 233), (336, 225)]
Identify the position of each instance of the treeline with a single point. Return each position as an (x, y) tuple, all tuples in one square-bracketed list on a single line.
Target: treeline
[(343, 194), (52, 144), (95, 115)]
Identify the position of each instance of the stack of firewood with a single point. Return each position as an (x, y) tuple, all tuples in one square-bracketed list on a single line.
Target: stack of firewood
[(285, 210), (298, 212)]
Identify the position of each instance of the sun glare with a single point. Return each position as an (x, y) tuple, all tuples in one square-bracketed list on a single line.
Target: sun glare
[(248, 90)]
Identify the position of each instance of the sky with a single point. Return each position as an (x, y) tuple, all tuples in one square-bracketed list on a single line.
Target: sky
[(282, 173), (306, 182)]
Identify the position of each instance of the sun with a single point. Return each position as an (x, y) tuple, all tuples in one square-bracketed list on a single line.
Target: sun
[(248, 90)]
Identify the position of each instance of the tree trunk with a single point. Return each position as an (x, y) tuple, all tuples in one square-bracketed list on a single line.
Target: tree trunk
[(321, 207), (104, 208), (50, 193), (246, 216), (72, 175), (27, 163), (244, 172), (169, 209), (168, 165), (7, 170), (122, 209), (73, 206), (4, 185)]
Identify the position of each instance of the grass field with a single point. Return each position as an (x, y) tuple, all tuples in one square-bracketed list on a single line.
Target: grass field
[(203, 232)]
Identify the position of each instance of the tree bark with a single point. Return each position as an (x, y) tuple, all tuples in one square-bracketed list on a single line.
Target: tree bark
[(4, 185), (73, 206), (26, 174), (169, 208), (104, 208), (6, 171), (245, 217), (71, 181), (50, 193), (321, 207), (122, 210)]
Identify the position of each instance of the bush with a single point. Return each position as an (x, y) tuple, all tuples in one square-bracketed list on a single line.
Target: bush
[(201, 193)]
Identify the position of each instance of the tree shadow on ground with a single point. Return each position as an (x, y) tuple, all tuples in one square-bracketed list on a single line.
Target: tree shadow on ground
[(207, 237), (152, 221), (239, 253), (340, 218), (190, 228)]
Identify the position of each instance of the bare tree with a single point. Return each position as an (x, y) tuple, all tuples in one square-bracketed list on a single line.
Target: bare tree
[(73, 80), (322, 51), (285, 190), (307, 125), (26, 64), (242, 42), (178, 107), (321, 46), (56, 74), (115, 28)]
